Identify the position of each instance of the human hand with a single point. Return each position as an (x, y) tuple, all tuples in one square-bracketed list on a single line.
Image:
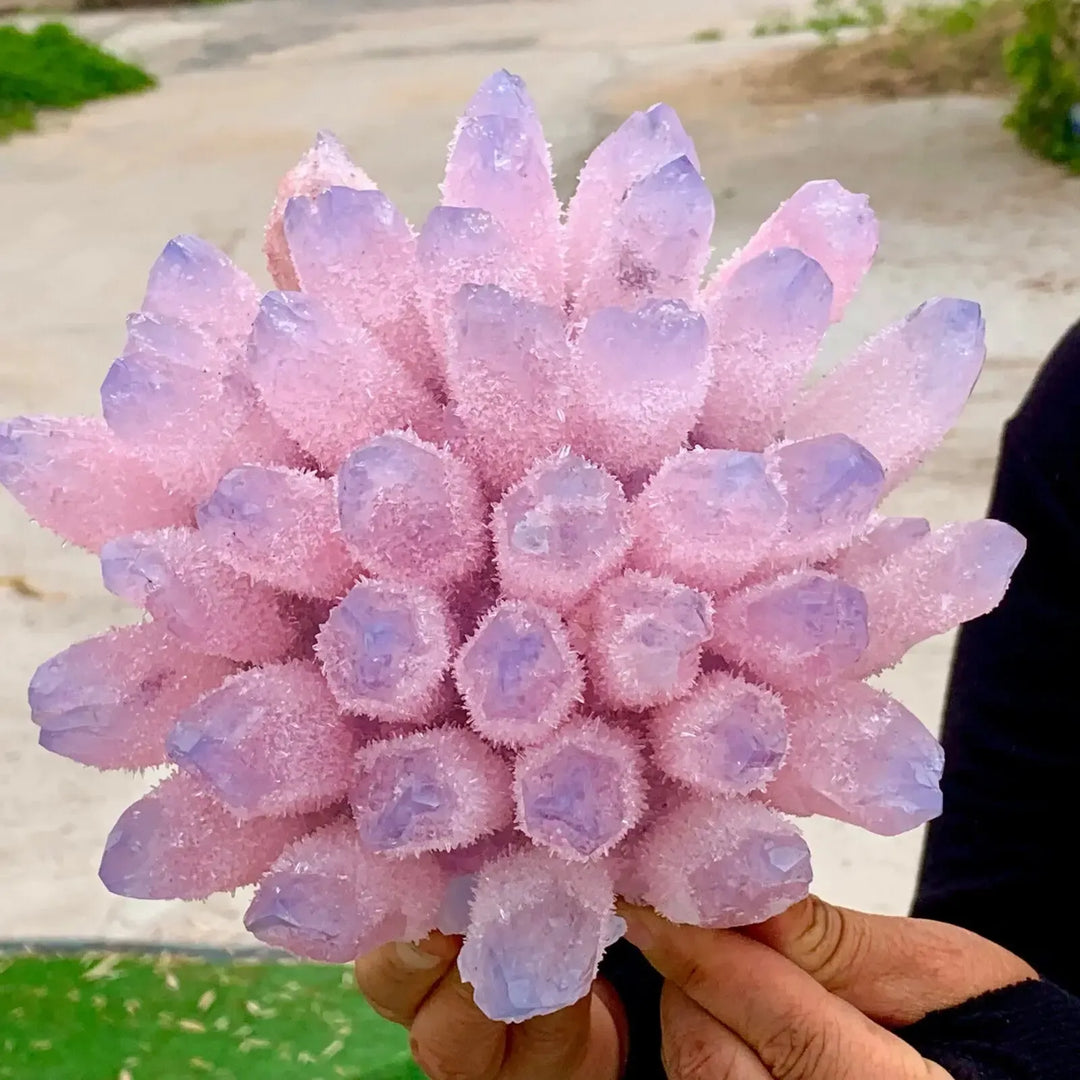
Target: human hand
[(811, 994), (451, 1039)]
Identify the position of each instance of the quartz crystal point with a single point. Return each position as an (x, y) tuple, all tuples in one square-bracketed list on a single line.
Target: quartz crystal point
[(953, 574), (517, 674), (505, 94), (325, 165), (279, 526), (831, 485), (385, 649), (302, 358), (194, 282), (643, 378), (463, 245), (707, 518), (171, 340), (728, 737), (645, 640), (723, 863), (657, 244), (582, 791), (537, 930), (833, 226), (507, 371), (642, 146), (178, 843), (883, 539), (430, 791), (766, 325), (797, 630), (111, 701), (903, 389), (270, 741), (411, 510), (499, 162), (565, 527), (859, 756), (170, 399), (354, 251), (203, 602), (154, 408), (328, 899), (73, 476)]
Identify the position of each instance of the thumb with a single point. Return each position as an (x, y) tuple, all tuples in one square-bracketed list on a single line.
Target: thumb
[(894, 970)]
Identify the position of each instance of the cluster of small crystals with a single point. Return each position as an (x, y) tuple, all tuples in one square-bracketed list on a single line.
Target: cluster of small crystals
[(498, 568)]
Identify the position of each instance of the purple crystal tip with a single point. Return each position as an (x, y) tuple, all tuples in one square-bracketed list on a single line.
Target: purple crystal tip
[(129, 863), (308, 913)]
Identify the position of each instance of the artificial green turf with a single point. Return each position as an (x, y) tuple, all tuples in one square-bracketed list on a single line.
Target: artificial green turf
[(110, 1016), (52, 68)]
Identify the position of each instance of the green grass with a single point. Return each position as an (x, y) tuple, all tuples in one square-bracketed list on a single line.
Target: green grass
[(52, 68), (780, 22), (827, 19), (710, 33), (111, 1016)]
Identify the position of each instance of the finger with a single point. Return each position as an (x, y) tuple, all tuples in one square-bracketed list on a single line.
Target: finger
[(798, 1029), (698, 1047), (581, 1042), (398, 977), (451, 1039), (895, 970)]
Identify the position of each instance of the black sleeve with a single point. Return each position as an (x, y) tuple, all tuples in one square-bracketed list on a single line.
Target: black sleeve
[(1002, 858), (1030, 1031)]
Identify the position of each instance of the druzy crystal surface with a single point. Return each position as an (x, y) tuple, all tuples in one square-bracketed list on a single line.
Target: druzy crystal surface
[(500, 565)]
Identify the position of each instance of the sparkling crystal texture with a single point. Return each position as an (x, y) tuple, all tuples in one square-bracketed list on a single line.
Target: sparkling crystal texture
[(646, 638), (560, 531), (581, 792), (498, 566), (728, 737), (722, 863), (518, 675), (384, 651), (112, 700), (269, 741), (328, 899), (537, 930), (432, 791), (859, 756), (409, 509)]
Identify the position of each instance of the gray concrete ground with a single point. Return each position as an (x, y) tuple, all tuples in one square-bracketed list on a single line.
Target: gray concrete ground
[(86, 205)]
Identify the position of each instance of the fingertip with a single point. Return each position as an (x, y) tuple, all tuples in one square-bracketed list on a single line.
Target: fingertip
[(396, 978), (643, 925), (439, 946)]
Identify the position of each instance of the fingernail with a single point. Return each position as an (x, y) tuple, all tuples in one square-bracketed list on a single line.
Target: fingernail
[(414, 958)]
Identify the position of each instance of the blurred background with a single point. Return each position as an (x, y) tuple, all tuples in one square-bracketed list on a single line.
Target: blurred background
[(961, 120)]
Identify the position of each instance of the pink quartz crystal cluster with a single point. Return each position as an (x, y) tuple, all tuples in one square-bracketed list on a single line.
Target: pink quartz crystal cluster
[(497, 568)]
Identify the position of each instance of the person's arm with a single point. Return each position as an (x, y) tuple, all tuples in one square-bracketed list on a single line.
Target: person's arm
[(1001, 858)]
